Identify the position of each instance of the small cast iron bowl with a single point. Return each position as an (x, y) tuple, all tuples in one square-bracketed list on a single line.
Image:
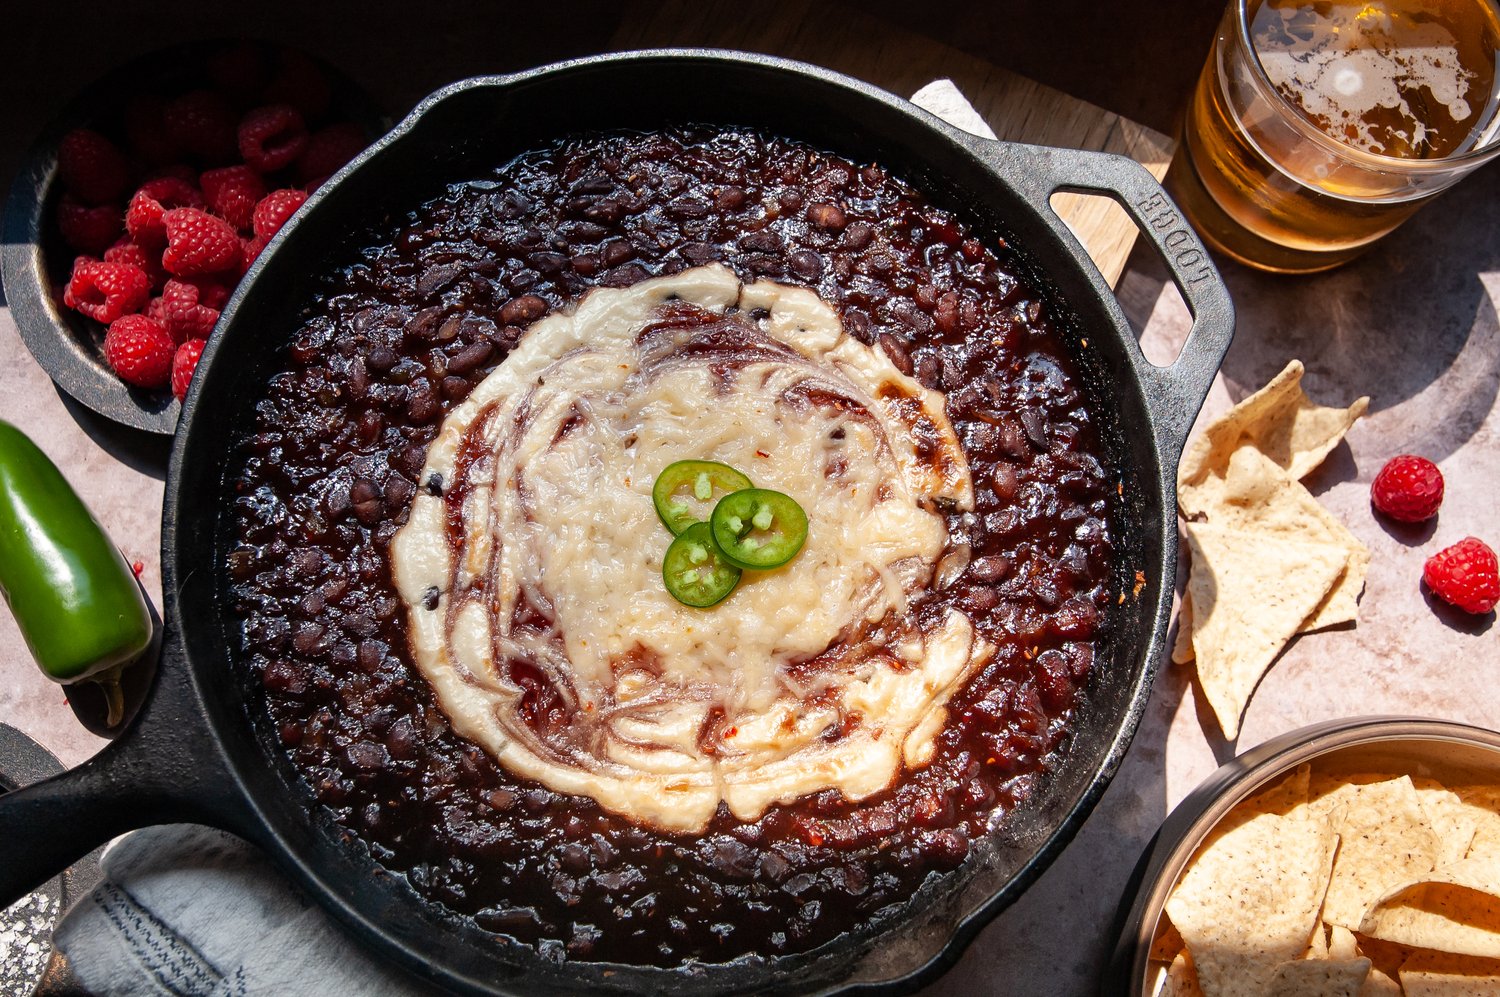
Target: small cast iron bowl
[(1452, 753), (35, 262), (200, 750)]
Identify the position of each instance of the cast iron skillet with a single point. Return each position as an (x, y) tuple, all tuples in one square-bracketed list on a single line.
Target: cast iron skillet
[(195, 752)]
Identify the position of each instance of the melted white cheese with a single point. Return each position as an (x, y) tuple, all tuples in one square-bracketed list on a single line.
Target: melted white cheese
[(667, 710)]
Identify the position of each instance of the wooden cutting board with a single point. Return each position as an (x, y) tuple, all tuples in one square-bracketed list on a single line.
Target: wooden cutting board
[(849, 41)]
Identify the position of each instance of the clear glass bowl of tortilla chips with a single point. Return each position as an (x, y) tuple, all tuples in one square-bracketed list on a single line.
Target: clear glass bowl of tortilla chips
[(1358, 857)]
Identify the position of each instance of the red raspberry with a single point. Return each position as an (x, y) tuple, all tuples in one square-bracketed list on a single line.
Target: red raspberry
[(79, 262), (1408, 488), (89, 230), (1466, 575), (155, 198), (139, 350), (197, 242), (301, 84), (328, 150), (233, 192), (146, 130), (156, 311), (274, 209), (184, 363), (212, 291), (271, 138), (188, 315), (90, 166), (202, 124), (126, 251), (251, 248), (106, 291)]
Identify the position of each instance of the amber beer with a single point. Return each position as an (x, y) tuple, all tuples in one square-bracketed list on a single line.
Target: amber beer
[(1316, 128)]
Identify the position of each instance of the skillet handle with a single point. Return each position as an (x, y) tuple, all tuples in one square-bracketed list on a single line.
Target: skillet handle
[(165, 769), (1175, 393)]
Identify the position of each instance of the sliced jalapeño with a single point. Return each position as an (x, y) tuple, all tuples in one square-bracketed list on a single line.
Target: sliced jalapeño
[(694, 571), (758, 528), (686, 491)]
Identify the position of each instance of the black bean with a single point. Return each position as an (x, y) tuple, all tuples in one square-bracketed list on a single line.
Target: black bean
[(454, 388), (688, 207), (380, 359), (1035, 425), (990, 569), (615, 252), (807, 264), (825, 215), (765, 241), (896, 350), (469, 357), (434, 279), (1005, 483), (423, 404), (365, 499), (527, 308), (859, 235), (549, 264), (624, 276)]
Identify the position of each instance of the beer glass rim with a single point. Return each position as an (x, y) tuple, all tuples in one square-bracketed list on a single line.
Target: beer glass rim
[(1373, 160)]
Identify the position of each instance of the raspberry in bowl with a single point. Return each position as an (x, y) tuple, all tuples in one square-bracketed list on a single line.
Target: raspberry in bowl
[(151, 195)]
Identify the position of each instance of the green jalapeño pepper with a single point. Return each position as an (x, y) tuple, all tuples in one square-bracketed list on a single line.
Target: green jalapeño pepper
[(76, 601), (758, 528), (694, 571), (685, 491)]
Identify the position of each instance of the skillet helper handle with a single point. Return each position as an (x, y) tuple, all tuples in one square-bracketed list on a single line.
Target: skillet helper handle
[(1174, 393), (165, 769)]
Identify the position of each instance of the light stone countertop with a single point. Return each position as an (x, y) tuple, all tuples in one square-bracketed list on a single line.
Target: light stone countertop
[(1413, 325)]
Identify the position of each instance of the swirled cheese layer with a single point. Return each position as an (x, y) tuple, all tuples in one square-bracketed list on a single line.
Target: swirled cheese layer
[(532, 581)]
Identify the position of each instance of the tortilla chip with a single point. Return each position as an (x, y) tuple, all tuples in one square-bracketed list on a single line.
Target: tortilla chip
[(1377, 984), (1321, 784), (1251, 592), (1439, 974), (1282, 423), (1453, 820), (1182, 645), (1287, 798), (1343, 946), (1167, 942), (1242, 473), (1341, 943), (1387, 957), (1456, 910), (1319, 978), (1385, 841), (1249, 899), (1182, 978), (1253, 494), (1317, 946), (1481, 807)]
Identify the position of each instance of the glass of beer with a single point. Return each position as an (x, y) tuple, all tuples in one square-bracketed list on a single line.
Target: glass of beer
[(1318, 126)]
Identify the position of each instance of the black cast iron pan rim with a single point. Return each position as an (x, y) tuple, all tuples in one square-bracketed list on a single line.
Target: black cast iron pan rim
[(1169, 398), (59, 338)]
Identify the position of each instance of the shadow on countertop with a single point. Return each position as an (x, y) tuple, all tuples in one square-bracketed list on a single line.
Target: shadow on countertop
[(1410, 318)]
